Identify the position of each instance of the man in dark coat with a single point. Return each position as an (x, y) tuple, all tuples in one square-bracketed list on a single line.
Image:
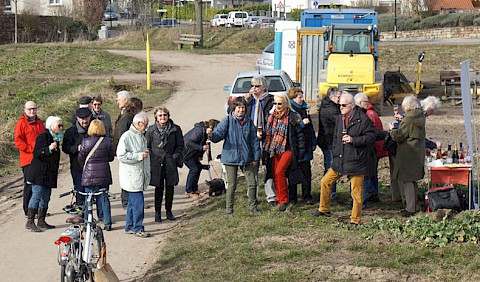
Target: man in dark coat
[(122, 124), (165, 143), (71, 146), (354, 134), (195, 146), (327, 115)]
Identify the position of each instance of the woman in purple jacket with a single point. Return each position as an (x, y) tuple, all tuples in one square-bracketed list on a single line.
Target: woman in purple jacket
[(96, 166)]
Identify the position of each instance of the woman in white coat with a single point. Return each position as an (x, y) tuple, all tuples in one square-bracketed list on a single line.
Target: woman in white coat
[(134, 170)]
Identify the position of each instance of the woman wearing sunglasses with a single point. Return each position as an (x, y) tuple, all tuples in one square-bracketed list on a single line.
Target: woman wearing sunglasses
[(284, 144)]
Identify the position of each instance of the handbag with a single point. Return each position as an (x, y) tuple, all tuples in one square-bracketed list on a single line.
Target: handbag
[(92, 151), (445, 197)]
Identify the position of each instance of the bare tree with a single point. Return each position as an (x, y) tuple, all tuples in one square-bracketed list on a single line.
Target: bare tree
[(63, 19), (89, 12)]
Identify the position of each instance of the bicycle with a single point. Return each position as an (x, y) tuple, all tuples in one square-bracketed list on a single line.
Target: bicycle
[(78, 259)]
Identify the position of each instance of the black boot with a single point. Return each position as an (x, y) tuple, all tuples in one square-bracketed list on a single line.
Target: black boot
[(42, 213), (158, 216), (170, 215), (27, 194), (31, 221)]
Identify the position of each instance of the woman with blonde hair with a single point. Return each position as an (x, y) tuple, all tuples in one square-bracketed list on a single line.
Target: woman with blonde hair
[(284, 144), (95, 154)]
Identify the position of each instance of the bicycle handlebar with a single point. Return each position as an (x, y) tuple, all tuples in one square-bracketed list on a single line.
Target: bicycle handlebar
[(100, 192)]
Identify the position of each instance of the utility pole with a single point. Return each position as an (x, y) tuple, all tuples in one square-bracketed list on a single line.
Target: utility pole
[(395, 22), (16, 21)]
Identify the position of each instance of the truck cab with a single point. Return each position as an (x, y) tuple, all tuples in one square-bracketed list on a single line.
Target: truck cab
[(352, 60)]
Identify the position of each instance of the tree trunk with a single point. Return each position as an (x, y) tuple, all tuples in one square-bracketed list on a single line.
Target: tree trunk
[(199, 21)]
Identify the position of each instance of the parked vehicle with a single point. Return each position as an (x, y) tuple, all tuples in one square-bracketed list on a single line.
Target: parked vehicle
[(156, 22), (252, 21), (265, 23), (237, 19), (266, 59), (169, 23), (278, 82), (110, 15), (219, 20)]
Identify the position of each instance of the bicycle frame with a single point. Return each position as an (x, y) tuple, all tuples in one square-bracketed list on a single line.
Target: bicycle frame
[(75, 258)]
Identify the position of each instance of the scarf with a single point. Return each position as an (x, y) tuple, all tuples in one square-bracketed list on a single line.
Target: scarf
[(276, 139), (240, 119), (163, 130), (32, 120), (80, 129), (258, 109)]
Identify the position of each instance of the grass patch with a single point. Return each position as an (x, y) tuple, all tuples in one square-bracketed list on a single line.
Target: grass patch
[(63, 60), (294, 246), (55, 77)]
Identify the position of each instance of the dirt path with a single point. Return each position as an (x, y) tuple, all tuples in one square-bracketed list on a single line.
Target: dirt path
[(28, 256)]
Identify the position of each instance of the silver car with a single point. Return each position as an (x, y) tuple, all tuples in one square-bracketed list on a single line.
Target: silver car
[(266, 60), (278, 82)]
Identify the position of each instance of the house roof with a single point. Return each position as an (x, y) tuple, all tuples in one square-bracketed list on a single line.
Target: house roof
[(453, 4)]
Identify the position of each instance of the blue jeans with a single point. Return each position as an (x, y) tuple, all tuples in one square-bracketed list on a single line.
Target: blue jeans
[(77, 185), (40, 197), (194, 170), (103, 205), (327, 163), (134, 220)]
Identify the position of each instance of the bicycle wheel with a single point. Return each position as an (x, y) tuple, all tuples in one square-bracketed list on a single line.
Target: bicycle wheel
[(63, 277), (96, 253)]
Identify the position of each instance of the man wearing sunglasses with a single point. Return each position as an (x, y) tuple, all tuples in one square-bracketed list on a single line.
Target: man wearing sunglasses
[(353, 136)]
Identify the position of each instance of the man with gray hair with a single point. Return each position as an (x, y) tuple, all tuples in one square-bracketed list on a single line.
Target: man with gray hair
[(26, 130), (354, 134), (134, 171), (370, 181), (122, 124)]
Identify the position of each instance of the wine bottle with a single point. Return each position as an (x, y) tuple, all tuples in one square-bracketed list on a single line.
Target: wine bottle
[(438, 156), (461, 154), (455, 157), (449, 158)]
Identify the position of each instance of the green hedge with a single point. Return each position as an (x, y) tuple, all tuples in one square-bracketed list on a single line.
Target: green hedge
[(386, 22)]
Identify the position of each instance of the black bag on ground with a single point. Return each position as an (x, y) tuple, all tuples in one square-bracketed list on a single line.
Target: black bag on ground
[(445, 197)]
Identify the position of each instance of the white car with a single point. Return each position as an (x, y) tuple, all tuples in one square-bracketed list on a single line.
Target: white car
[(266, 60), (278, 82), (219, 20)]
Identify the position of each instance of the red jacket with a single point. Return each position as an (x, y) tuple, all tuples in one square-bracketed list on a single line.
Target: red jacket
[(379, 151), (25, 135)]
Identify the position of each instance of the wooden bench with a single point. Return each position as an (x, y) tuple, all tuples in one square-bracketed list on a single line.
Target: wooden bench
[(191, 39)]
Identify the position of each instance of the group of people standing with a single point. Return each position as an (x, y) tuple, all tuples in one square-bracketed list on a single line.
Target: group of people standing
[(260, 130), (147, 156)]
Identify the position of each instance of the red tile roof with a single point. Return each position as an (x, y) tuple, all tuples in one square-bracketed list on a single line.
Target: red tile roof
[(453, 4)]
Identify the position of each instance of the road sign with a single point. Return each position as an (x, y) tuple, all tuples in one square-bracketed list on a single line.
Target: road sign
[(315, 3), (280, 5)]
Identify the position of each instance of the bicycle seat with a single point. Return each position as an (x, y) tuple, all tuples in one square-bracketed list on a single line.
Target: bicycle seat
[(74, 220)]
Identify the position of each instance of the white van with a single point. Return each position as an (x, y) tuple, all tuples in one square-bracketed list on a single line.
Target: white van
[(237, 18)]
